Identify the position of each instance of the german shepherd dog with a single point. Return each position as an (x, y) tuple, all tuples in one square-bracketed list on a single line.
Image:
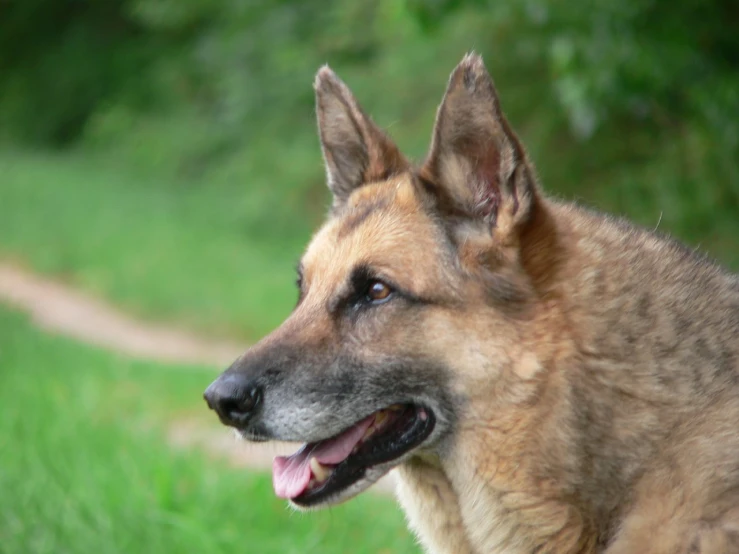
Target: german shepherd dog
[(542, 378)]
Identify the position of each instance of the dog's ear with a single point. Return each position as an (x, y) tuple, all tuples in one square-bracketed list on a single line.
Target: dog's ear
[(355, 150), (476, 165)]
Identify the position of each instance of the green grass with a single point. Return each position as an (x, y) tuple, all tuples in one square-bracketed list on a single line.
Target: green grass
[(210, 257), (84, 466)]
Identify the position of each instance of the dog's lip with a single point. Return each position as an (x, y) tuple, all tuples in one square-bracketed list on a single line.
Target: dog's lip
[(353, 469), (252, 437), (253, 434)]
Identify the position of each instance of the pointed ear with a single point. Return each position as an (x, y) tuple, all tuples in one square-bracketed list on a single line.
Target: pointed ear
[(476, 165), (355, 150)]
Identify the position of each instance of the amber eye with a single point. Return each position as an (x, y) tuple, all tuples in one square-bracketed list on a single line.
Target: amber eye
[(377, 291)]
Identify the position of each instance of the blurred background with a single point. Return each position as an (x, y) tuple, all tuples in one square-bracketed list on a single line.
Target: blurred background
[(158, 159)]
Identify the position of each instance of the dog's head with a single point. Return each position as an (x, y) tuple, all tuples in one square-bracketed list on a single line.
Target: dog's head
[(413, 297)]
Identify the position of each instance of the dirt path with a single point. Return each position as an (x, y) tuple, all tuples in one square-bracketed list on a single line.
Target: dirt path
[(63, 310)]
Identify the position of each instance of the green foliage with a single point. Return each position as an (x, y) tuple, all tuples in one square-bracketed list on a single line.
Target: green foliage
[(644, 59), (237, 60), (243, 66), (60, 61)]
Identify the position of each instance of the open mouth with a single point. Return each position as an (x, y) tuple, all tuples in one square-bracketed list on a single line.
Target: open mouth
[(324, 468)]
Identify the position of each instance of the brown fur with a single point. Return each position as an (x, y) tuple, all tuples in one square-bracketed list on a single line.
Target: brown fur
[(585, 371)]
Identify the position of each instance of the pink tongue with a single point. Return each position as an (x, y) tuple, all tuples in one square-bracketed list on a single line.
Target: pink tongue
[(291, 474)]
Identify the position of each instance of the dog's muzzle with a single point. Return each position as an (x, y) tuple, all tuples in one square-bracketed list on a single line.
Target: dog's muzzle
[(235, 399)]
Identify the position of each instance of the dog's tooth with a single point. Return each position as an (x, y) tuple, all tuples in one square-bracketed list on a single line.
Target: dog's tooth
[(367, 434), (320, 471), (380, 418)]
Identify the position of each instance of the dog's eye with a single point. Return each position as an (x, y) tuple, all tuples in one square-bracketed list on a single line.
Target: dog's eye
[(377, 291)]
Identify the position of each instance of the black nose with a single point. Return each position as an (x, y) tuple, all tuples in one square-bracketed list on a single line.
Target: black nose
[(234, 398)]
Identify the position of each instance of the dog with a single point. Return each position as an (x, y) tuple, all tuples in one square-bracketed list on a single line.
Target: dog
[(541, 377)]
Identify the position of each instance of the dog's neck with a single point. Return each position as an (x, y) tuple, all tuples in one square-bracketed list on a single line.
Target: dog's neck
[(517, 463)]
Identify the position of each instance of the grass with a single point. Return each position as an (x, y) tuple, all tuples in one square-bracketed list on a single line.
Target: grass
[(85, 467), (179, 253)]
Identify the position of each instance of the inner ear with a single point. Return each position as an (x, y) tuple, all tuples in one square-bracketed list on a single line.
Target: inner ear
[(355, 150), (476, 162)]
